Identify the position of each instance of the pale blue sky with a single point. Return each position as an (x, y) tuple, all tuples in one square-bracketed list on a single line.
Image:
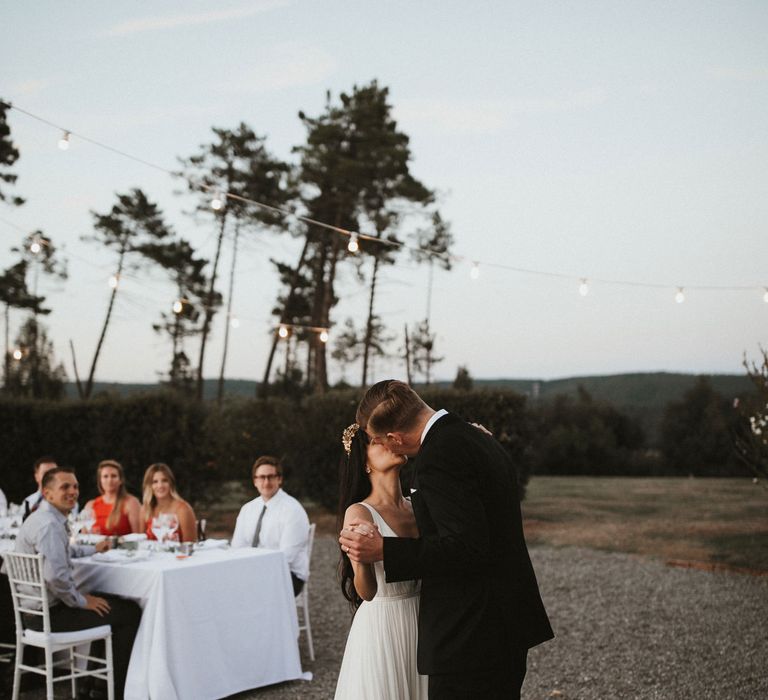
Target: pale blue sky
[(622, 141)]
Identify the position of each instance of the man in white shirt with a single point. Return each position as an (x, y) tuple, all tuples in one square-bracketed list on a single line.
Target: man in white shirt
[(275, 520)]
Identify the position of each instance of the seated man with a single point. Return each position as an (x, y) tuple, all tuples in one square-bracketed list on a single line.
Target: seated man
[(275, 520), (45, 532)]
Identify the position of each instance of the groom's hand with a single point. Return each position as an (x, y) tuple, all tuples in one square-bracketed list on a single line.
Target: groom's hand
[(362, 542)]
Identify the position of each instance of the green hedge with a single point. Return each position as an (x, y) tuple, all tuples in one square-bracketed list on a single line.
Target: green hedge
[(205, 445)]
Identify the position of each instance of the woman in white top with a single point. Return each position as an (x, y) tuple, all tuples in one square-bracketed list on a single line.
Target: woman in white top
[(380, 656)]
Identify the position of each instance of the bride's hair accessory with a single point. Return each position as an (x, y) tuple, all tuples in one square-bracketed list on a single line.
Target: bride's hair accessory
[(346, 438)]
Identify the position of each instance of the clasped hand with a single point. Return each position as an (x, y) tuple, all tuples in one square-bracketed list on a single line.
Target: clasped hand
[(362, 542)]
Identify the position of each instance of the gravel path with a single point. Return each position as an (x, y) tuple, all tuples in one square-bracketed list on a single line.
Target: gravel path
[(627, 627)]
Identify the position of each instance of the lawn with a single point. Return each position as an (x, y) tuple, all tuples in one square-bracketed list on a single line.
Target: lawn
[(701, 522)]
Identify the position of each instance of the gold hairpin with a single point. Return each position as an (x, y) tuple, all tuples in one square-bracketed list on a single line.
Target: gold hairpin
[(346, 438)]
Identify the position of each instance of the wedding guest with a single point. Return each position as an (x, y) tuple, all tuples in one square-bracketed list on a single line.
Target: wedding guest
[(117, 511), (275, 520), (160, 497), (45, 532), (40, 468)]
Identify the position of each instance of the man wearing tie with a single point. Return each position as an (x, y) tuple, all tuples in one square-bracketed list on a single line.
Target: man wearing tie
[(275, 520)]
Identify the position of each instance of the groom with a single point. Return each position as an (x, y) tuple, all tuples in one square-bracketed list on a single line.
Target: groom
[(480, 605)]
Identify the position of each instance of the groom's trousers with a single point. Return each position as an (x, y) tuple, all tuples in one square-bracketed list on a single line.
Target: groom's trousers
[(499, 683)]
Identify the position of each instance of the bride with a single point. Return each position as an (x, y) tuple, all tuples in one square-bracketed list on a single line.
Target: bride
[(380, 656)]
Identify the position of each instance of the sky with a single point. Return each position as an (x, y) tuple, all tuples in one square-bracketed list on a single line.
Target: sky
[(624, 143)]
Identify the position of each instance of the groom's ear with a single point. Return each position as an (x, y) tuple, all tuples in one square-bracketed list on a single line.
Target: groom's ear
[(397, 438)]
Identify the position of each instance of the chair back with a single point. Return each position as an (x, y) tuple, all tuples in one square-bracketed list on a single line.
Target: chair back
[(310, 542), (28, 589)]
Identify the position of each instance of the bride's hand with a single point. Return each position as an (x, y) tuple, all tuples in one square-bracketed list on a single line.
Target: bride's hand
[(362, 542)]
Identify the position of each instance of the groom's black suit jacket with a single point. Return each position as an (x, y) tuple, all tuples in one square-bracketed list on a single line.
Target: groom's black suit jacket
[(479, 596)]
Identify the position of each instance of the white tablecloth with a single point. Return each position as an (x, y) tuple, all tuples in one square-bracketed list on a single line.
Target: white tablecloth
[(217, 623)]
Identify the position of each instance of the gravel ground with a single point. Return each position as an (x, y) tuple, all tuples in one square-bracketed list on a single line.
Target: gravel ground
[(626, 626)]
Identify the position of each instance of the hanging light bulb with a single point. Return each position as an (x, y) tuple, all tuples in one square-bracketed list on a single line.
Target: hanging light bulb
[(765, 296), (178, 306), (113, 281), (17, 354), (680, 295), (323, 336), (217, 203), (474, 273), (584, 287), (36, 247), (354, 245), (234, 322), (64, 141), (282, 332)]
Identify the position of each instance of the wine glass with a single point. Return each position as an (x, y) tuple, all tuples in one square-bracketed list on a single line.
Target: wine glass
[(75, 526), (88, 518), (172, 521), (159, 528)]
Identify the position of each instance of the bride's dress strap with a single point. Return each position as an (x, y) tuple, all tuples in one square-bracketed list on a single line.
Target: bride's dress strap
[(377, 519)]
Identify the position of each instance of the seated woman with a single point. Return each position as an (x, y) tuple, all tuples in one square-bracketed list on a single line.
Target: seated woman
[(161, 497), (116, 511)]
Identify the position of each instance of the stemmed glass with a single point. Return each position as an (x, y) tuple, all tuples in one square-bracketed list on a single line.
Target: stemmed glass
[(173, 525), (160, 528), (88, 518)]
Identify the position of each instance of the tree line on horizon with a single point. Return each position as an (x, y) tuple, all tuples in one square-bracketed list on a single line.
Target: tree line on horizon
[(351, 172)]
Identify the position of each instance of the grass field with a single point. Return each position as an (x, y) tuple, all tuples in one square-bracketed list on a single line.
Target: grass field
[(703, 522)]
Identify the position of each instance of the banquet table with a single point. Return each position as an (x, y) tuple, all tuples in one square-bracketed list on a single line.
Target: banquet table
[(213, 624)]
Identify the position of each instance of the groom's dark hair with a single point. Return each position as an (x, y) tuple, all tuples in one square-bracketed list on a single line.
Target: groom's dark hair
[(389, 406)]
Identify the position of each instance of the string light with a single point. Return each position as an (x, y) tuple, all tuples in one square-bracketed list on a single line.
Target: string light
[(282, 332), (234, 322), (17, 354), (680, 295), (217, 203), (113, 281), (36, 247), (178, 306), (323, 336), (584, 287)]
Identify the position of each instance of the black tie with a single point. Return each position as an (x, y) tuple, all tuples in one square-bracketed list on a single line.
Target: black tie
[(256, 534)]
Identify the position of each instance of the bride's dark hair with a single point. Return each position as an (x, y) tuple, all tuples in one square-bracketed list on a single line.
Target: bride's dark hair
[(354, 486)]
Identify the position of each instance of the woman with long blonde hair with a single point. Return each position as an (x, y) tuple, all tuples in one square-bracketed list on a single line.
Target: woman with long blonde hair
[(117, 512), (161, 497)]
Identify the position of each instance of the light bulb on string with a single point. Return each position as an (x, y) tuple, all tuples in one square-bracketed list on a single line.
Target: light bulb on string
[(584, 287), (113, 281), (64, 141), (474, 273), (178, 306), (217, 203), (282, 332), (35, 247), (354, 245), (680, 295), (234, 322), (323, 336), (17, 354)]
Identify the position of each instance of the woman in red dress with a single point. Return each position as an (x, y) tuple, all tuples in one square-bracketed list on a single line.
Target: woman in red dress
[(160, 497), (116, 511)]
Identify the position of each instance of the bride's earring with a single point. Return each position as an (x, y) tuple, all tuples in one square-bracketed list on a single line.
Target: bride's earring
[(367, 470)]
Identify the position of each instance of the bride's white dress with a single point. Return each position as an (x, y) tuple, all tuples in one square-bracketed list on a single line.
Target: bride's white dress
[(380, 657)]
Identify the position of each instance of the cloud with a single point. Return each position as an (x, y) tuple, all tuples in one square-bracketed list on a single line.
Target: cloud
[(27, 88), (465, 116), (285, 65), (741, 75), (160, 22)]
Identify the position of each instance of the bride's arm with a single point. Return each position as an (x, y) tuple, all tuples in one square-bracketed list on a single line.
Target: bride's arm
[(365, 578)]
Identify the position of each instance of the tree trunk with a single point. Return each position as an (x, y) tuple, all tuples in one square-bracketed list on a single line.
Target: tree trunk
[(407, 356), (78, 383), (263, 389), (7, 360), (321, 365), (369, 325), (220, 392), (36, 390), (89, 382), (209, 309)]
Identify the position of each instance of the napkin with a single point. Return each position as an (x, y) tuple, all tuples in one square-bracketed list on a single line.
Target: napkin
[(134, 537), (212, 544)]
